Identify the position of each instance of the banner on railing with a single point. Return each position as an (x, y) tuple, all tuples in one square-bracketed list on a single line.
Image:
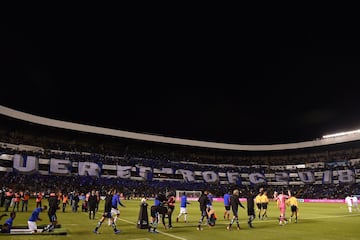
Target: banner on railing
[(64, 167)]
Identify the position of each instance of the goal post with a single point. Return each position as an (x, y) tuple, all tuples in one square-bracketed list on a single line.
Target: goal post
[(191, 195)]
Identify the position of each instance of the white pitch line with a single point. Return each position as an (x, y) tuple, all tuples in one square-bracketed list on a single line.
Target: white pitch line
[(176, 237), (167, 234), (140, 239), (337, 216), (173, 236)]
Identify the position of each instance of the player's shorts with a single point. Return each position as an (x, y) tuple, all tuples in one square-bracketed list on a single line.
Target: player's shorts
[(251, 212), (258, 205), (115, 211), (293, 208), (183, 210), (32, 226), (227, 208), (264, 205)]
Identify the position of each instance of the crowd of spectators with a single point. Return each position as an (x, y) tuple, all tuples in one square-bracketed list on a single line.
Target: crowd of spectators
[(51, 143)]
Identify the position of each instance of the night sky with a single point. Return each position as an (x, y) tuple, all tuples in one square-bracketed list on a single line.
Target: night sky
[(248, 86)]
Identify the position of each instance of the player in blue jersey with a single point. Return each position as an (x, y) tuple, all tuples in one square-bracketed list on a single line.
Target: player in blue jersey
[(227, 196), (183, 210), (34, 218), (107, 213), (6, 227), (115, 202)]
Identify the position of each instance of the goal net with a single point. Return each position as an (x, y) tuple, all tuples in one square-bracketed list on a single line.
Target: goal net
[(191, 195)]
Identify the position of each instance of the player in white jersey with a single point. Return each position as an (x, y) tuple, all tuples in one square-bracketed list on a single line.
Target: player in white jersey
[(349, 202)]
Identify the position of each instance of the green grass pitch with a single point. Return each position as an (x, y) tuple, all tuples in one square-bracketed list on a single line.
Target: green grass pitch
[(316, 221)]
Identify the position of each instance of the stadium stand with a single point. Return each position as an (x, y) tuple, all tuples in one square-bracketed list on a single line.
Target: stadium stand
[(323, 171)]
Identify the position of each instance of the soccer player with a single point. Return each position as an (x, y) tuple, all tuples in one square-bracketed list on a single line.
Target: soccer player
[(183, 210), (203, 201), (6, 227), (281, 204), (250, 201), (235, 203), (293, 203), (227, 205), (355, 203), (107, 213), (156, 211), (34, 218), (161, 210), (171, 206), (349, 202), (211, 216), (53, 206), (115, 202)]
